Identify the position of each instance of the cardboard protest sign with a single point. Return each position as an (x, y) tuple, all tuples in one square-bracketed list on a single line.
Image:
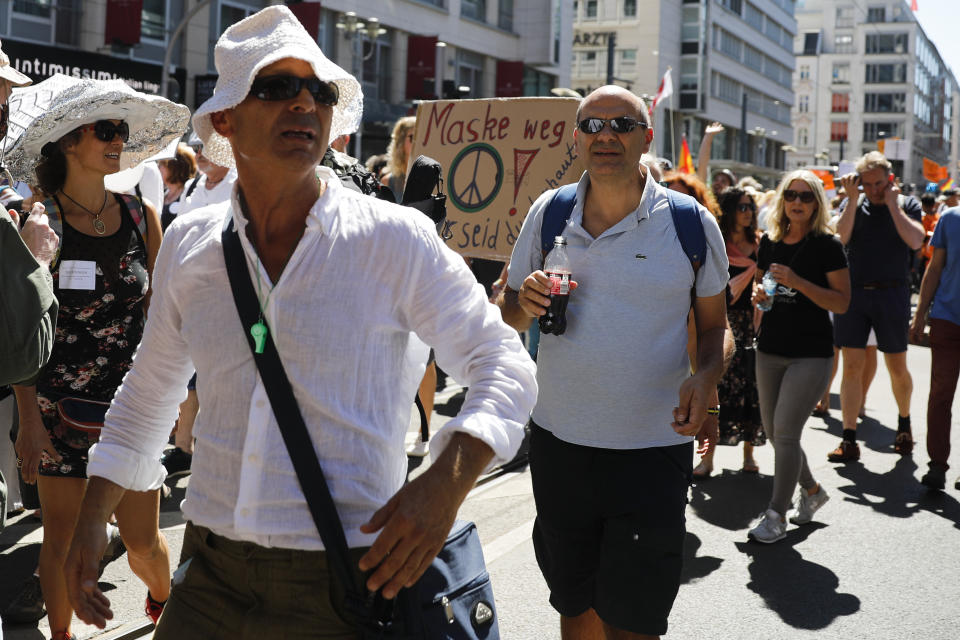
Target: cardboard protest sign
[(498, 156)]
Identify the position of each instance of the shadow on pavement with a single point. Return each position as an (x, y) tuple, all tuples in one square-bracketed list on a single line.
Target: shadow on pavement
[(732, 500), (695, 567), (803, 593), (451, 407), (896, 493), (18, 565), (870, 432)]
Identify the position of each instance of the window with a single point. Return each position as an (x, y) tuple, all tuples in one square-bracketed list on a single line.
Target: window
[(39, 8), (877, 73), (726, 88), (153, 20), (69, 13), (629, 8), (838, 131), (804, 72), (476, 9), (840, 103), (376, 68), (845, 18), (841, 73), (753, 17), (873, 131), (803, 104), (505, 15), (753, 59), (876, 14), (470, 73), (628, 57), (734, 5), (230, 14), (885, 103), (690, 27), (811, 43), (887, 42), (590, 7), (730, 45), (843, 43), (803, 137)]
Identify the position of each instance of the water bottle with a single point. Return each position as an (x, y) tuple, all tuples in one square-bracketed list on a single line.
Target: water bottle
[(557, 267), (769, 285)]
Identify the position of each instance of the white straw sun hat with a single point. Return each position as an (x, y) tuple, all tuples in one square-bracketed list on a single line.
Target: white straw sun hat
[(250, 45), (48, 110), (7, 72)]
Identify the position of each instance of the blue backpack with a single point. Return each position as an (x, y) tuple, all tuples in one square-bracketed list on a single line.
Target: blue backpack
[(683, 208)]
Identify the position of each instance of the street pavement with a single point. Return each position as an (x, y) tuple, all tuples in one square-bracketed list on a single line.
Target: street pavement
[(880, 561)]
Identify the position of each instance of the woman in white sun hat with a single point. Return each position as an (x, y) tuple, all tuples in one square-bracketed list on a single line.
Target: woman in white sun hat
[(66, 134)]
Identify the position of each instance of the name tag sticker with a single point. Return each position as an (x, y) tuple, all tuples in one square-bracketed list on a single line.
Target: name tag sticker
[(78, 274)]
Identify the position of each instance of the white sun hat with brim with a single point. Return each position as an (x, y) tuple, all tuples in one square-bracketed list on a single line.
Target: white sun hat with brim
[(250, 45), (7, 72), (47, 111)]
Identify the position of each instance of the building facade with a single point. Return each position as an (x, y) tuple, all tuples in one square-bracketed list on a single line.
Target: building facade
[(731, 62), (401, 50), (866, 75)]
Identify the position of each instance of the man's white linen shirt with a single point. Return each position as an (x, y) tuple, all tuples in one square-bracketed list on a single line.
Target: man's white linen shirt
[(364, 277)]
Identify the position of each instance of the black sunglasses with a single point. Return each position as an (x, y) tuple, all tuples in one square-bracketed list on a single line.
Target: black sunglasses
[(623, 124), (106, 130), (747, 206), (287, 87), (805, 196)]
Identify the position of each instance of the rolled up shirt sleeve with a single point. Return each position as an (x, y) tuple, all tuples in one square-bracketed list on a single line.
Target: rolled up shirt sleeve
[(143, 411), (473, 344)]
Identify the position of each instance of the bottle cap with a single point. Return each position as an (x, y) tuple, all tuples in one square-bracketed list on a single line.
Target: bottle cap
[(559, 240)]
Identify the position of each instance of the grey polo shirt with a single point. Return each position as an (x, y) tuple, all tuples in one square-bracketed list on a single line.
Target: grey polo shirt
[(611, 380)]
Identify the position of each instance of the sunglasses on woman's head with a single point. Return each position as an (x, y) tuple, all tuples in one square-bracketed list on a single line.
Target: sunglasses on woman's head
[(806, 197), (623, 124), (746, 206), (106, 131), (287, 87)]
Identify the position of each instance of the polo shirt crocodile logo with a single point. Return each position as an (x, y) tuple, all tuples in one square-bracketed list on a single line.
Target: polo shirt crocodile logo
[(640, 256)]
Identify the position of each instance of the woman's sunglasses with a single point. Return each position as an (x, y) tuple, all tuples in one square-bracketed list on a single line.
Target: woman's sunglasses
[(806, 197), (623, 124), (286, 87), (106, 131), (747, 206)]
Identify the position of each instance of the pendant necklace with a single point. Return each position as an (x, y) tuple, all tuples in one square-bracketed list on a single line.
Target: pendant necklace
[(98, 225), (259, 329)]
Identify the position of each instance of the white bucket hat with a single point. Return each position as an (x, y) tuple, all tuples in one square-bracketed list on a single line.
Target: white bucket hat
[(7, 72), (48, 110), (250, 45)]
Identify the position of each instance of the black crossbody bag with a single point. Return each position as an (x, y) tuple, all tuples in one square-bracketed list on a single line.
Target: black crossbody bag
[(452, 600)]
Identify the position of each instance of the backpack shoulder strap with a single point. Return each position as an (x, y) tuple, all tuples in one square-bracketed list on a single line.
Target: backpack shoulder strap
[(135, 207), (686, 221), (556, 215)]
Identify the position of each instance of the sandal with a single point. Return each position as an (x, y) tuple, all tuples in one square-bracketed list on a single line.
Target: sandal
[(702, 471), (904, 443), (750, 467)]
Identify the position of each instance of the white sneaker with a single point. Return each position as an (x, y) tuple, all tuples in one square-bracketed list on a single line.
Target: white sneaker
[(808, 505), (771, 528), (419, 450)]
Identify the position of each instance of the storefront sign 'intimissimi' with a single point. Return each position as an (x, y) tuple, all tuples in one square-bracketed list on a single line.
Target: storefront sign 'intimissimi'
[(40, 62)]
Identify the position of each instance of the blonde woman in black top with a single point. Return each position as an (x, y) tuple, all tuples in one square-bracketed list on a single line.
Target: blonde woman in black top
[(795, 343)]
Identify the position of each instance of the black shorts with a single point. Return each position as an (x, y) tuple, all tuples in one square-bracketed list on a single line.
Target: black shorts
[(610, 527), (886, 311)]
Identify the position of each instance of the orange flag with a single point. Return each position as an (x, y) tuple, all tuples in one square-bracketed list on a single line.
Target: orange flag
[(933, 171), (826, 177), (686, 160)]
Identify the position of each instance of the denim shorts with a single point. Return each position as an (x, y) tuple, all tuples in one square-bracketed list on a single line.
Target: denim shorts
[(610, 527)]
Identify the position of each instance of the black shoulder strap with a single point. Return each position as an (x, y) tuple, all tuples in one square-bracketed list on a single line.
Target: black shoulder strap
[(193, 185), (287, 411)]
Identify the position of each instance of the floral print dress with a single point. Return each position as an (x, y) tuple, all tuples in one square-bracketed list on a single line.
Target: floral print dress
[(98, 331)]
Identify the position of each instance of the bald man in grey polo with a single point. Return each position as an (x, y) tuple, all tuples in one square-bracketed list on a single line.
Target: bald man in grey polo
[(611, 379)]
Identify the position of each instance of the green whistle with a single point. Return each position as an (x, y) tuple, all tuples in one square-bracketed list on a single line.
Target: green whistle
[(259, 333)]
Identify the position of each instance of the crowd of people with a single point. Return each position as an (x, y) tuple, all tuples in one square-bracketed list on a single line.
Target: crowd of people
[(134, 333)]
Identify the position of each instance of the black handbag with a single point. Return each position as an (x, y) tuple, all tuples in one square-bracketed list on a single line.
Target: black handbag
[(453, 599)]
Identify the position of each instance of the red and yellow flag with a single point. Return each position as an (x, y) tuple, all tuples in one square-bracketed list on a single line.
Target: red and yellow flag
[(686, 160)]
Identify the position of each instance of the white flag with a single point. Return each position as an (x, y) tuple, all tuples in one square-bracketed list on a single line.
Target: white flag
[(665, 90)]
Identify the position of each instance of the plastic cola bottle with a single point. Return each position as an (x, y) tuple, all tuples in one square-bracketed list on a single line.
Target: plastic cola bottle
[(557, 267)]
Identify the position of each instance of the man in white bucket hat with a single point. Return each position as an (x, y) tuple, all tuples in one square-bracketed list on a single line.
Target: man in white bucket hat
[(343, 282)]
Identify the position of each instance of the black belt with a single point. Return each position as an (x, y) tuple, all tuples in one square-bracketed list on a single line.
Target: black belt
[(890, 284)]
